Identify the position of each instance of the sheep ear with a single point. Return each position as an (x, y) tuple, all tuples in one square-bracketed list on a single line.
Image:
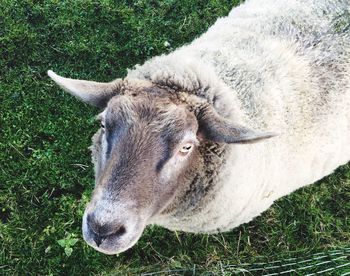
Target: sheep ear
[(214, 127), (94, 93)]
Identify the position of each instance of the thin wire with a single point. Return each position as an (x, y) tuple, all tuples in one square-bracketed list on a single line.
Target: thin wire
[(297, 261), (300, 262)]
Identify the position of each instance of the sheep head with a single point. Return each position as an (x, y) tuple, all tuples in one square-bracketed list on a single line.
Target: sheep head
[(148, 140)]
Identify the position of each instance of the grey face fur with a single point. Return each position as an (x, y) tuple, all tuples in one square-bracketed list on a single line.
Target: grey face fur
[(145, 154), (140, 152)]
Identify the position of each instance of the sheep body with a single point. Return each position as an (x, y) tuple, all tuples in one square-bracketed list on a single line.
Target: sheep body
[(273, 65)]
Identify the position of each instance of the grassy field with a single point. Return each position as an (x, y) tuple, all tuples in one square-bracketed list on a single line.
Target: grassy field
[(46, 176)]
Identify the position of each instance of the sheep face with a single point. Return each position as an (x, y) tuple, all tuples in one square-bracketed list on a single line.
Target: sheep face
[(143, 147)]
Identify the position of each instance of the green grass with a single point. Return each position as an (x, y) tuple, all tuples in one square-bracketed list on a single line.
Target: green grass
[(46, 176)]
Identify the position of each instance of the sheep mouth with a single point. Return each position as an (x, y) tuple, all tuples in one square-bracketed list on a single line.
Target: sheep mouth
[(112, 245)]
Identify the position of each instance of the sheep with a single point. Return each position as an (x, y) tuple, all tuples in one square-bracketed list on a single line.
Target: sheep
[(207, 137)]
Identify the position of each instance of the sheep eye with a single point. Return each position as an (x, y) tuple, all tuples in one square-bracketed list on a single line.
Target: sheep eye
[(102, 125), (186, 148)]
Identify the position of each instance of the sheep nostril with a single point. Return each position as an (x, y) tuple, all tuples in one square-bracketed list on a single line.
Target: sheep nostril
[(120, 231), (92, 224)]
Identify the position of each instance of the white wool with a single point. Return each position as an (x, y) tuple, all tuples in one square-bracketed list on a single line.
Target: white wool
[(281, 66)]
